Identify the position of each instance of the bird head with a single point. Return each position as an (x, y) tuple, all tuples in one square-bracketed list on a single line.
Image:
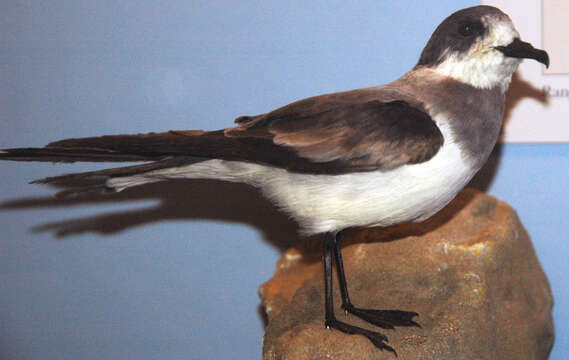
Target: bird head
[(478, 46)]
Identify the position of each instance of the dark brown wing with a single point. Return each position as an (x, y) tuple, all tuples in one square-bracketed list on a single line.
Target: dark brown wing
[(345, 138), (366, 136)]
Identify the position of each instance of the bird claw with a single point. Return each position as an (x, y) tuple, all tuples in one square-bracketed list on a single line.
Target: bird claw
[(378, 339)]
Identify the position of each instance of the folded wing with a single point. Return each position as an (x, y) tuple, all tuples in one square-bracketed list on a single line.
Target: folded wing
[(302, 137)]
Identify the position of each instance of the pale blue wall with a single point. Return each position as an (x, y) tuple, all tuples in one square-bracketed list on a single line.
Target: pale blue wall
[(175, 274)]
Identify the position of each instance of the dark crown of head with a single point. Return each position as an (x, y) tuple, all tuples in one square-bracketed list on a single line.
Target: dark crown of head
[(456, 34)]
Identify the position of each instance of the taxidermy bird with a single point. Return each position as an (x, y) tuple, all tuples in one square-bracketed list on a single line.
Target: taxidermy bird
[(369, 157)]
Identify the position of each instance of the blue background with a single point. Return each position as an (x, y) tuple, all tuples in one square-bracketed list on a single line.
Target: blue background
[(172, 271)]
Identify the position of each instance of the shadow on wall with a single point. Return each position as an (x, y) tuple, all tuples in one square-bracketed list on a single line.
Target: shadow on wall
[(215, 200), (178, 200)]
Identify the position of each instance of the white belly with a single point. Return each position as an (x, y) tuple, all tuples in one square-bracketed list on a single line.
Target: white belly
[(323, 203)]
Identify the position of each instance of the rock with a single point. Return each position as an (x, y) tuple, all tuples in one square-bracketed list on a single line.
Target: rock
[(470, 272)]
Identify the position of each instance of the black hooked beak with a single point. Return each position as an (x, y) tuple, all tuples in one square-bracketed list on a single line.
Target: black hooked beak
[(524, 50)]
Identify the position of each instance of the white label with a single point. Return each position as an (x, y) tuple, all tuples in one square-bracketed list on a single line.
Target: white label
[(556, 35)]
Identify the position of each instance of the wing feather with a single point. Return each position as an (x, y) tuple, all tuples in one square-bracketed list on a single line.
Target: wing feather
[(331, 134), (371, 135)]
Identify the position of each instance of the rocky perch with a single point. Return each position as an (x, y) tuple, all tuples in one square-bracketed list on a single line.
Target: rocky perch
[(470, 272)]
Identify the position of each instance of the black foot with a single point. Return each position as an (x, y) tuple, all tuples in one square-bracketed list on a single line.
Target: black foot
[(376, 338), (386, 319)]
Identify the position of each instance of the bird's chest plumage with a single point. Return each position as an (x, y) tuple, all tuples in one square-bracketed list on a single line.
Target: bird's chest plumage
[(474, 116)]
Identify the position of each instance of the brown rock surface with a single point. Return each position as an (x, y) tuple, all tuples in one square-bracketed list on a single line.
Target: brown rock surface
[(470, 272)]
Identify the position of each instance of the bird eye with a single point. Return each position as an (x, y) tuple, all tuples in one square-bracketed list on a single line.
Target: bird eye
[(467, 28)]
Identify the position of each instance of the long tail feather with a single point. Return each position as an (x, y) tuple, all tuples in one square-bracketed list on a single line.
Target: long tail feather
[(90, 178), (120, 148), (68, 155), (84, 183), (159, 150)]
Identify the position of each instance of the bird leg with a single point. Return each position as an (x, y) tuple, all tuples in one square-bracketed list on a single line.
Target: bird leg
[(386, 319)]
